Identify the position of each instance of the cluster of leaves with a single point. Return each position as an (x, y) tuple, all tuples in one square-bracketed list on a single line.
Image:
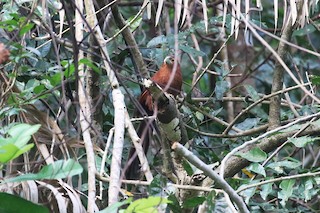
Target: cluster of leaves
[(39, 77)]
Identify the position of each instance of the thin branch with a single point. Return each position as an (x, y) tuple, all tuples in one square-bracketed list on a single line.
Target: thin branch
[(309, 174), (257, 102), (213, 175), (254, 140)]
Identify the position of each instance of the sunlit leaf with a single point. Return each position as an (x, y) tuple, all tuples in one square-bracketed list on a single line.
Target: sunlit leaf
[(254, 155), (59, 169), (26, 28), (257, 168), (287, 190), (7, 152), (149, 204), (266, 189), (22, 133), (114, 208), (303, 140), (279, 166)]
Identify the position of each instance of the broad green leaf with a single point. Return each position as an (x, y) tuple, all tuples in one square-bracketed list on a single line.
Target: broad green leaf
[(308, 185), (199, 116), (135, 24), (13, 204), (193, 202), (266, 189), (59, 169), (25, 28), (315, 79), (248, 123), (114, 207), (252, 93), (303, 141), (220, 89), (23, 150), (149, 204), (308, 29), (248, 193), (7, 152), (90, 64), (257, 168), (254, 155), (22, 133), (287, 190), (157, 40), (191, 51), (278, 166), (174, 204)]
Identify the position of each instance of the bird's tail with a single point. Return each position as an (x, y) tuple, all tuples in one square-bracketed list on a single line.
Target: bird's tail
[(133, 171)]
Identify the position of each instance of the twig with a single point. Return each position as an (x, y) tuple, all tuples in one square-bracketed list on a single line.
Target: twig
[(277, 179), (257, 102), (213, 175)]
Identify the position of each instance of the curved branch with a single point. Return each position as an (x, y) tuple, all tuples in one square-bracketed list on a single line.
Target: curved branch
[(213, 175)]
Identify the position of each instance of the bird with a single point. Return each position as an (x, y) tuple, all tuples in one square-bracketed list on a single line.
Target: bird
[(165, 75)]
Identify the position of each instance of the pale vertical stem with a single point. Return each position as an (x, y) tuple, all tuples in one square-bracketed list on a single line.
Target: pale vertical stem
[(119, 121), (85, 112), (118, 103)]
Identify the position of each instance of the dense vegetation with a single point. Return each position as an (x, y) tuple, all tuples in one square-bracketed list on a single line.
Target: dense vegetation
[(70, 77)]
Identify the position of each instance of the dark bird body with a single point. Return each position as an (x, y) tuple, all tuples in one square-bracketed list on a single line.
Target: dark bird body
[(162, 77)]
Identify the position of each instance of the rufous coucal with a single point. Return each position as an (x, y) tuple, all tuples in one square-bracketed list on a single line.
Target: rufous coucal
[(162, 78)]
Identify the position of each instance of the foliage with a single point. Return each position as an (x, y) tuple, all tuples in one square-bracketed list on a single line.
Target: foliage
[(227, 103), (10, 203), (15, 145)]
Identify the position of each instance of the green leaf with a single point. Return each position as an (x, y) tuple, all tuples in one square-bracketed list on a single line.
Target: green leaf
[(248, 193), (309, 28), (114, 207), (266, 190), (315, 79), (199, 116), (308, 186), (22, 133), (23, 150), (220, 89), (257, 168), (278, 166), (59, 169), (7, 152), (13, 204), (287, 190), (135, 24), (146, 205), (254, 155), (252, 93), (302, 141), (157, 41), (25, 28), (248, 123), (90, 64), (193, 202), (174, 204), (191, 51)]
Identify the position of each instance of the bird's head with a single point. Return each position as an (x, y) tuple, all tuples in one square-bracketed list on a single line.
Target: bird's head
[(169, 60)]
